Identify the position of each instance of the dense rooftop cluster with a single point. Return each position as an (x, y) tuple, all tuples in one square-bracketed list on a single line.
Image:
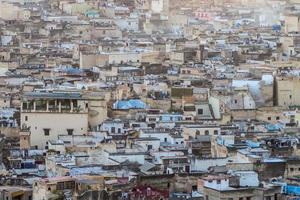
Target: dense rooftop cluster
[(149, 99)]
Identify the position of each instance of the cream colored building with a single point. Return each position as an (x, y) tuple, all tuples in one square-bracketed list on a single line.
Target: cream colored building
[(292, 23), (12, 12), (48, 115), (287, 91), (195, 131)]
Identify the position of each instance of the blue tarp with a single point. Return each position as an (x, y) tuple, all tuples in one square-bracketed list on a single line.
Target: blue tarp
[(252, 144), (129, 104), (170, 117), (276, 27), (273, 127), (291, 190)]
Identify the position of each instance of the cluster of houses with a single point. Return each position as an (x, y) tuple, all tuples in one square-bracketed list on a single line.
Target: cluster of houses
[(149, 99)]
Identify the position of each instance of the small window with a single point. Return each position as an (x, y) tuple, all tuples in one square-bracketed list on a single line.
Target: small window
[(49, 188), (269, 118), (216, 132), (46, 131), (291, 169), (200, 111), (235, 101), (26, 118), (277, 118), (70, 131), (218, 181), (290, 96), (206, 132)]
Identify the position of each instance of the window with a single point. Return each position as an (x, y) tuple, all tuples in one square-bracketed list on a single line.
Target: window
[(152, 119), (197, 133), (69, 185), (215, 132), (200, 111), (206, 132), (46, 131), (277, 118), (248, 198), (291, 169), (268, 198), (26, 118), (269, 118), (290, 96), (70, 131), (119, 130), (235, 101), (113, 129), (60, 186), (241, 198), (218, 181)]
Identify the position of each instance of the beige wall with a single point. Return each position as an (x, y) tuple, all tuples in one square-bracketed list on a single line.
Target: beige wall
[(287, 90), (270, 115), (292, 24), (97, 112), (58, 123), (91, 60), (11, 12)]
